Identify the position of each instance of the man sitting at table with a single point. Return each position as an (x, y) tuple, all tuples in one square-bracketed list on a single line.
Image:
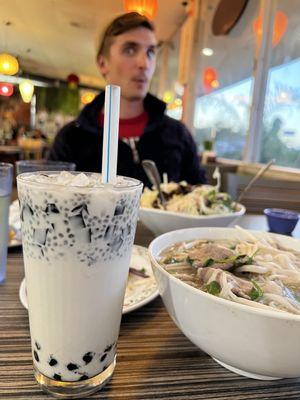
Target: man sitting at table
[(126, 57)]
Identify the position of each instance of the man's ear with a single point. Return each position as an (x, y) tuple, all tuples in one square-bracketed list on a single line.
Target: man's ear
[(102, 65)]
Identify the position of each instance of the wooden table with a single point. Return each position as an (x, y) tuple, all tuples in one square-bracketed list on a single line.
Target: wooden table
[(155, 360)]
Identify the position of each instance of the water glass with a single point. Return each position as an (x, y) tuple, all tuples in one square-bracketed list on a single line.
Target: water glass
[(6, 174)]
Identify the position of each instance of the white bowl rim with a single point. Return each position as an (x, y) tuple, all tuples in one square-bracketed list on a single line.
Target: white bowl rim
[(200, 217), (229, 303)]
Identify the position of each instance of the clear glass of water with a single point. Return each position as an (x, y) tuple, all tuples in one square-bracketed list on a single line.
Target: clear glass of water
[(6, 175)]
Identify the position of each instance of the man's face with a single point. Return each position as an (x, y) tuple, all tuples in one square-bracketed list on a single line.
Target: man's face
[(130, 63)]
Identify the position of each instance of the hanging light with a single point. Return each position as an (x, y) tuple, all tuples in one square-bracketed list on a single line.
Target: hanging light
[(9, 65), (73, 81), (26, 89), (87, 97), (210, 79), (168, 96), (148, 8), (279, 28), (6, 89)]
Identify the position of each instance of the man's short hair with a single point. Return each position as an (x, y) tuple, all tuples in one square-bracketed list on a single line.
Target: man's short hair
[(120, 25)]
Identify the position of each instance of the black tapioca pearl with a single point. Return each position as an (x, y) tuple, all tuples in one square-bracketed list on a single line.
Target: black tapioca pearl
[(61, 254), (66, 243), (119, 210), (83, 378), (51, 208), (108, 348), (79, 252), (61, 235), (103, 357), (87, 358), (72, 366), (66, 222), (68, 230), (52, 362), (57, 377), (54, 238), (37, 345), (36, 356), (71, 235)]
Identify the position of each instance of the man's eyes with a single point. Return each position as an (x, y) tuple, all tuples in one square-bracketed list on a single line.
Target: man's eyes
[(129, 50), (151, 53)]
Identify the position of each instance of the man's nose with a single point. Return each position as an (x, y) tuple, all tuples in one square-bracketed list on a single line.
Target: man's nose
[(143, 61)]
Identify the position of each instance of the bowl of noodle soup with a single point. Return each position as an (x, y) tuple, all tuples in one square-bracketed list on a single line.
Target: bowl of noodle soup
[(235, 294), (188, 206)]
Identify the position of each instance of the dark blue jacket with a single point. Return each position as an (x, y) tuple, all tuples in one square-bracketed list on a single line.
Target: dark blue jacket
[(165, 141)]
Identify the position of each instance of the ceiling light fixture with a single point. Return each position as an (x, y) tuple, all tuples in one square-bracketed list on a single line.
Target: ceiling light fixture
[(148, 8), (26, 89), (279, 28), (207, 51), (6, 89), (8, 64)]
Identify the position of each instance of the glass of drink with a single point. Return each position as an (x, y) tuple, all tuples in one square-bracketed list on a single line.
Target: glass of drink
[(77, 238), (43, 165), (6, 175)]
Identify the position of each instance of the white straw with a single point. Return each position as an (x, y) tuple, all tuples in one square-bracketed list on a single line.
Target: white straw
[(110, 134)]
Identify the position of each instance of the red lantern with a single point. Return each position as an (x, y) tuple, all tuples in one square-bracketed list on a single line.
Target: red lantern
[(143, 7), (210, 79), (73, 81), (279, 28), (6, 89)]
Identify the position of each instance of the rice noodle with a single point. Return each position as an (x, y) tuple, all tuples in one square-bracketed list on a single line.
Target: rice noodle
[(262, 273)]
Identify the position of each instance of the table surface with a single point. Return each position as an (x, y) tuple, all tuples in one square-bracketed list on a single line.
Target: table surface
[(155, 360)]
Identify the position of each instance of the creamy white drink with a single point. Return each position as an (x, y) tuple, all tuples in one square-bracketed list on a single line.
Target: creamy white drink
[(77, 239)]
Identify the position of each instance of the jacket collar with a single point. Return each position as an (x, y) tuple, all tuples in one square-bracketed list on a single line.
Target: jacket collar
[(89, 116)]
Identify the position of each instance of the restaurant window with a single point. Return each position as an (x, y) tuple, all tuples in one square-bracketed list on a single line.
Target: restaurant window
[(222, 107), (280, 136), (164, 83)]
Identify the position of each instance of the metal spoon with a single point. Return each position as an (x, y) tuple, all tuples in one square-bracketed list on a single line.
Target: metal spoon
[(152, 173), (254, 179)]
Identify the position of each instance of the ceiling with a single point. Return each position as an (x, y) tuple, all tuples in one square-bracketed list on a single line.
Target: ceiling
[(54, 38)]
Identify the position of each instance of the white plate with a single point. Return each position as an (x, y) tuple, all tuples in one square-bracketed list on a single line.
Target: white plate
[(139, 291)]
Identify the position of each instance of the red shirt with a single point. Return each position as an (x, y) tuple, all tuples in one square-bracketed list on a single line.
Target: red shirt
[(130, 127)]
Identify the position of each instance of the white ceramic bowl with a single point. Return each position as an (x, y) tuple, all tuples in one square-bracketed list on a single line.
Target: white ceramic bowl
[(256, 343), (160, 221)]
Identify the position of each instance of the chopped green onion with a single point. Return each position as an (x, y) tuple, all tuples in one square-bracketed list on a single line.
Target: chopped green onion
[(256, 293), (213, 288)]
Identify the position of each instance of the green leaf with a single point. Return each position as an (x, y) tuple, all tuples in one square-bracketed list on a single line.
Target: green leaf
[(213, 288), (208, 262), (190, 261), (256, 293)]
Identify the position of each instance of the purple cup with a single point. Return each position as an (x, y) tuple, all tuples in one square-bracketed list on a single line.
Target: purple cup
[(281, 221)]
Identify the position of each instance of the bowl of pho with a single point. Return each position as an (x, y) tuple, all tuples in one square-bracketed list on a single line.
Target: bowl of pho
[(235, 294)]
